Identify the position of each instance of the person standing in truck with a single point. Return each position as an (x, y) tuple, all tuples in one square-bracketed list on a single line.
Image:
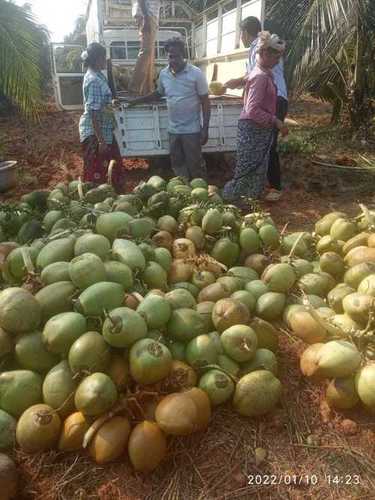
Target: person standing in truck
[(250, 27), (185, 88), (146, 14), (96, 125)]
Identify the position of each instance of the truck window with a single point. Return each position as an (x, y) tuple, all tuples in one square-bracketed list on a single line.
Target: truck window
[(133, 49), (68, 59), (118, 50)]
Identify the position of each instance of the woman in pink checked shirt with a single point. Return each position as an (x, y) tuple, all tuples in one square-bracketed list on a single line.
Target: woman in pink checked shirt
[(257, 120)]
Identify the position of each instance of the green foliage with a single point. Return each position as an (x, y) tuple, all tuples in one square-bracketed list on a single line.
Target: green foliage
[(297, 143), (23, 46), (331, 51)]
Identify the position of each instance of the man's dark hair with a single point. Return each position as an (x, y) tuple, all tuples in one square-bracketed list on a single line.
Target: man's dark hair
[(94, 50), (176, 42), (251, 25)]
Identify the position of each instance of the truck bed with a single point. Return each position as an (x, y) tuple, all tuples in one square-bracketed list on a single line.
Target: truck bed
[(142, 131)]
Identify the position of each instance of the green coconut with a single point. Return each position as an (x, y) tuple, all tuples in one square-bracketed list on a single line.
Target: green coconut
[(327, 244), (264, 359), (316, 284), (117, 272), (365, 385), (61, 250), (20, 312), (128, 253), (58, 389), (231, 283), (257, 393), (201, 279), (58, 271), (229, 312), (213, 293), (185, 324), (270, 306), (94, 244), (341, 393), (246, 298), (6, 345), (228, 365), (279, 277), (257, 288), (250, 241), (95, 395), (323, 225), (7, 430), (212, 221), (100, 297), (56, 298), (38, 429), (356, 274), (123, 327), (62, 330), (204, 309), (19, 389), (367, 285), (270, 236), (226, 251), (89, 353), (163, 257), (16, 263), (332, 263), (31, 353), (267, 335), (155, 310), (337, 295), (243, 273), (201, 351), (113, 225), (338, 358), (181, 298), (239, 343), (343, 230), (86, 270), (149, 361), (218, 386), (155, 276), (358, 306)]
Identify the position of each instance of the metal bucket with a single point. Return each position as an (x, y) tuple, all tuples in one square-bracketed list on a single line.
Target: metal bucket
[(8, 175)]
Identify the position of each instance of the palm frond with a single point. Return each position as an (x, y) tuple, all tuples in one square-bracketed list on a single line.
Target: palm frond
[(21, 43)]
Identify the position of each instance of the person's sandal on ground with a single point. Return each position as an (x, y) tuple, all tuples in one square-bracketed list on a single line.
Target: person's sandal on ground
[(273, 195)]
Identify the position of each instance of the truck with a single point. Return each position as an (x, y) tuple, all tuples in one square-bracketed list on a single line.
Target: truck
[(212, 38)]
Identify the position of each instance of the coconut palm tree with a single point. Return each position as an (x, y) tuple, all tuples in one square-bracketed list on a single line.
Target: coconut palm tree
[(22, 47), (332, 50)]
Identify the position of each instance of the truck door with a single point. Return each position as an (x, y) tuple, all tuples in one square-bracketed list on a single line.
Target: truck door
[(67, 75)]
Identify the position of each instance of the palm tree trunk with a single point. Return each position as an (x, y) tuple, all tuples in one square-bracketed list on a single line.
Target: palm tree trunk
[(359, 108)]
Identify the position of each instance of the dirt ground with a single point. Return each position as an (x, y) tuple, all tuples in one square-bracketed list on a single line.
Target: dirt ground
[(311, 452)]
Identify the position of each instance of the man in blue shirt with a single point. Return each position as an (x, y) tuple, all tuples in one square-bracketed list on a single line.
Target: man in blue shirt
[(186, 90), (250, 27)]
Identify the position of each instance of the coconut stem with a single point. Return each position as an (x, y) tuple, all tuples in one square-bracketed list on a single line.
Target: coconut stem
[(322, 322), (368, 217), (80, 188), (99, 422), (293, 249), (27, 261)]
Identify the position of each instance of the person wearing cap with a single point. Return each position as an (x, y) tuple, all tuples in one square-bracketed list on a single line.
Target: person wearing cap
[(250, 27), (97, 122), (256, 124)]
